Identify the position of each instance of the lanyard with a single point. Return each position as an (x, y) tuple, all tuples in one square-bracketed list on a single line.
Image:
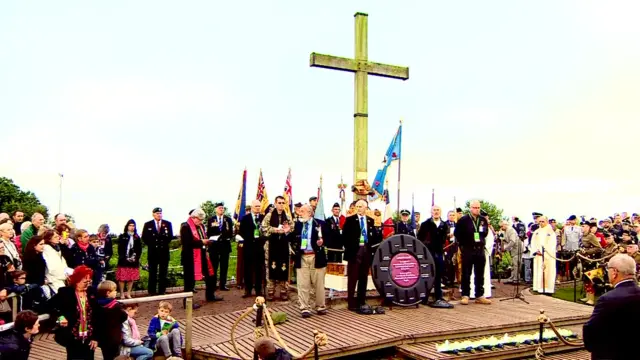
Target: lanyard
[(475, 222), (82, 328)]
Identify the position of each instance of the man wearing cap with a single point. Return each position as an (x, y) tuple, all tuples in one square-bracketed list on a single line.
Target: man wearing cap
[(220, 232), (571, 235), (157, 234), (434, 233), (313, 201), (296, 211), (334, 238), (543, 242), (470, 233), (404, 226), (590, 248)]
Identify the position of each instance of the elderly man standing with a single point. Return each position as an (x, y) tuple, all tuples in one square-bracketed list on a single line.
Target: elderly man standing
[(157, 234), (360, 238), (614, 309), (37, 220), (543, 242), (253, 250), (220, 231), (513, 245), (195, 260), (471, 232), (310, 260), (276, 227)]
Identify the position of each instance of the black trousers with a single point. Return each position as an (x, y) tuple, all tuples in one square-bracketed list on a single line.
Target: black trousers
[(438, 259), (334, 256), (219, 254), (254, 269), (357, 272), (473, 258), (158, 266), (79, 350)]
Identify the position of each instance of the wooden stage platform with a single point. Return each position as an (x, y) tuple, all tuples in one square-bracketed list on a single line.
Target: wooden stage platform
[(413, 331)]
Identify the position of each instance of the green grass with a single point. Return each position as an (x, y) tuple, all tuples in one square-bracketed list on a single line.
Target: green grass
[(175, 268)]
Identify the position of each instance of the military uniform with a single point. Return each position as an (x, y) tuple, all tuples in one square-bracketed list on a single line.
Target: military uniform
[(403, 227), (590, 248)]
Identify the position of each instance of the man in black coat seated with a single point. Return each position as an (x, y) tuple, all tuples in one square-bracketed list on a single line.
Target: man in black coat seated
[(608, 333), (433, 233)]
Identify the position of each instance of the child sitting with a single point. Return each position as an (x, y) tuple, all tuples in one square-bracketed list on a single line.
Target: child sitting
[(29, 295), (110, 315), (164, 332), (132, 344), (266, 350)]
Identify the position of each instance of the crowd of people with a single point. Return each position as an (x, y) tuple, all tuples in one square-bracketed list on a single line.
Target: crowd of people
[(59, 269)]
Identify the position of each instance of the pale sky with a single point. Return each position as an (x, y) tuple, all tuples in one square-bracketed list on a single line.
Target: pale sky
[(533, 105)]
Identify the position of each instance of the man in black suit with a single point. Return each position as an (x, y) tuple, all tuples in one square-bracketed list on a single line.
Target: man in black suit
[(220, 231), (334, 235), (254, 268), (157, 234), (360, 239), (434, 233), (470, 232), (608, 333)]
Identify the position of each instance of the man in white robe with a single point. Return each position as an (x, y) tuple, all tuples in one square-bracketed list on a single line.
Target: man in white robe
[(544, 277), (488, 248)]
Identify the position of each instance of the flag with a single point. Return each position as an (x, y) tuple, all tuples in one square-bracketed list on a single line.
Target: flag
[(393, 153), (413, 215), (288, 198), (262, 194), (241, 203), (319, 213), (433, 197), (387, 223)]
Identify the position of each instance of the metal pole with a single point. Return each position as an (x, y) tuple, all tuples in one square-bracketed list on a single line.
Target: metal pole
[(188, 329), (60, 194)]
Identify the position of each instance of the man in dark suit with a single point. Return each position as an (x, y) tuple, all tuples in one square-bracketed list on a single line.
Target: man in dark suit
[(254, 268), (310, 260), (470, 232), (220, 231), (608, 333), (434, 233), (360, 239), (334, 235), (157, 234)]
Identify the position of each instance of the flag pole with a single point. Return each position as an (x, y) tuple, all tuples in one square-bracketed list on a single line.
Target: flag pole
[(399, 167), (433, 197)]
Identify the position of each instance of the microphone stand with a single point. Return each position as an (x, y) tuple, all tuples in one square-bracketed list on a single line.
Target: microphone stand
[(517, 294)]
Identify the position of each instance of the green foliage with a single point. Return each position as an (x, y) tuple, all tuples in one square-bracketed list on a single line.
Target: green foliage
[(495, 213), (12, 198), (209, 208)]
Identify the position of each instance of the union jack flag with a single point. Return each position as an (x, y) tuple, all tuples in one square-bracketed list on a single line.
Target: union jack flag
[(288, 197), (262, 194)]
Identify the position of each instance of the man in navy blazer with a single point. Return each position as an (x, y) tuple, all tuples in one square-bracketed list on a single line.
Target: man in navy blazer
[(310, 260), (608, 333)]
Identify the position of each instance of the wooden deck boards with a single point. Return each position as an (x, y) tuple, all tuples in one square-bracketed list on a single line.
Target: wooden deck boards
[(350, 333)]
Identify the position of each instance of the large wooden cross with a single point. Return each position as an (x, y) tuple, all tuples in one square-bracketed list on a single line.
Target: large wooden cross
[(362, 67)]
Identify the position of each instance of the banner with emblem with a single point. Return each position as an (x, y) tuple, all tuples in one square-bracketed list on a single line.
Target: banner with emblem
[(288, 197), (262, 194), (242, 198), (319, 213), (392, 154)]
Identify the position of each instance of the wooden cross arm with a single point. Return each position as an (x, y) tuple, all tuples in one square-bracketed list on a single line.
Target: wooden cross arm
[(351, 65)]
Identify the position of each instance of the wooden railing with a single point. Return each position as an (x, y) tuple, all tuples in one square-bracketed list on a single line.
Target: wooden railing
[(184, 295)]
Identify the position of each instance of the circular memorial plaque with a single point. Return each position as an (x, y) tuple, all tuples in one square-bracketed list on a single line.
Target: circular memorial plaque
[(403, 270)]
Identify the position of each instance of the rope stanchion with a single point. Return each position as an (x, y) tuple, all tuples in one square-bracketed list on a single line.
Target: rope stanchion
[(262, 330), (543, 319)]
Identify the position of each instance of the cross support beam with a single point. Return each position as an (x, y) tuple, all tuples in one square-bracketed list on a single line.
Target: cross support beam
[(361, 67)]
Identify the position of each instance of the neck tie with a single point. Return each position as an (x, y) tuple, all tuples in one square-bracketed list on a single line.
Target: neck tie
[(158, 226), (220, 223), (363, 229)]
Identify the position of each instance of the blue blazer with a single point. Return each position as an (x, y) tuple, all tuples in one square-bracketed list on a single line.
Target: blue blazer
[(608, 334), (155, 328)]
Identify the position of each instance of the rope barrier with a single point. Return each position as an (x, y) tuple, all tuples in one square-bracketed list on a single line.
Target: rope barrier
[(319, 338), (544, 319)]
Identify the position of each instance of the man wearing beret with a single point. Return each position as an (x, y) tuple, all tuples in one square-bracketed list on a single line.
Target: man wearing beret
[(404, 226), (220, 231), (334, 240), (157, 234)]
